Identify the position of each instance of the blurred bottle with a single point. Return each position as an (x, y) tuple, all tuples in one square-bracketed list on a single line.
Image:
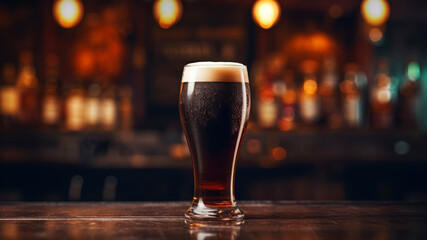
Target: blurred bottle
[(92, 106), (289, 101), (382, 97), (29, 90), (269, 87), (328, 91), (74, 109), (309, 98), (409, 92), (9, 98), (351, 98), (267, 107), (362, 85), (108, 109), (126, 108), (51, 104)]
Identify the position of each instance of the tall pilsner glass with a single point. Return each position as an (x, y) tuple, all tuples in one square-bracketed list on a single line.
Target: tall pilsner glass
[(214, 105)]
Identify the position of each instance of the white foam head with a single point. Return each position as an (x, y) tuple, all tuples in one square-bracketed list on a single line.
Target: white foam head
[(215, 72)]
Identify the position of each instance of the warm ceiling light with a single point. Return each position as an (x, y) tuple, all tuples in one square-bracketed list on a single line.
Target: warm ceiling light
[(266, 13), (167, 12), (68, 13), (375, 12)]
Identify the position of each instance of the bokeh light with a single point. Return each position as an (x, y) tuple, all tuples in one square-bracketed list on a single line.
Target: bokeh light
[(167, 12), (68, 13), (375, 34), (9, 101), (402, 147), (266, 13), (74, 106), (310, 86), (375, 12), (414, 70), (254, 146), (279, 153)]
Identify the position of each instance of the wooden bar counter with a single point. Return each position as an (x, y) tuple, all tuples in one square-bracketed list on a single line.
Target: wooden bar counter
[(165, 220)]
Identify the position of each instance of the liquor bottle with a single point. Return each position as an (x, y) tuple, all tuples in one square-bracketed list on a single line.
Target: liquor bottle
[(74, 108), (409, 92), (289, 101), (266, 104), (351, 99), (51, 104), (309, 100), (29, 91), (126, 108), (108, 108), (9, 98), (382, 98), (92, 106), (328, 91), (267, 107)]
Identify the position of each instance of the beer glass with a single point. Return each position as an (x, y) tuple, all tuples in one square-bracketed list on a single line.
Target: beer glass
[(214, 105)]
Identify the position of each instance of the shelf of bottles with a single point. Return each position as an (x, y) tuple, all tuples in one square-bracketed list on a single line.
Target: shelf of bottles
[(313, 113), (319, 95), (26, 103)]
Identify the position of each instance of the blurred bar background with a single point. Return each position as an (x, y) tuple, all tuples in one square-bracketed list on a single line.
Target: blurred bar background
[(89, 97)]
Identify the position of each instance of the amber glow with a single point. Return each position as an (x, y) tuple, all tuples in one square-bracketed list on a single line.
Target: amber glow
[(267, 114), (50, 112), (383, 95), (254, 146), (75, 114), (310, 86), (27, 78), (178, 150), (266, 13), (9, 101), (92, 111), (279, 153), (108, 113), (266, 95), (314, 45), (85, 62), (167, 12), (289, 97), (284, 124), (68, 13), (375, 34), (348, 87), (375, 12)]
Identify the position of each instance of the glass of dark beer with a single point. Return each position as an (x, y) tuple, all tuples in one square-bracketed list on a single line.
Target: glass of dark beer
[(214, 105)]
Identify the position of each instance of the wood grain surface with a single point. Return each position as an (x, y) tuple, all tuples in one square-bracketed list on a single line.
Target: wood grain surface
[(264, 220)]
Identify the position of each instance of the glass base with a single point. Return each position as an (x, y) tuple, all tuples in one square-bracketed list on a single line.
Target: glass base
[(202, 212)]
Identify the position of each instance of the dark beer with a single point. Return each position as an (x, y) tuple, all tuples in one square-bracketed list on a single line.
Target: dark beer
[(214, 107)]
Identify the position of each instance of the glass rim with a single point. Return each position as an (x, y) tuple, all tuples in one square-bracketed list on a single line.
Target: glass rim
[(214, 64)]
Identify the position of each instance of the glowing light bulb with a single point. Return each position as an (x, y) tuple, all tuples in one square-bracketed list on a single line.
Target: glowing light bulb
[(167, 12), (266, 13), (68, 13), (375, 12)]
